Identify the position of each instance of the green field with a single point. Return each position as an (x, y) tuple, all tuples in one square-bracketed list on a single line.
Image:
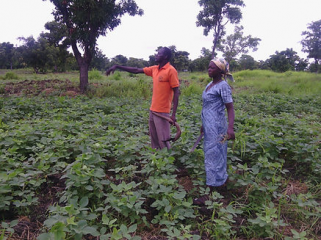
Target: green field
[(78, 166)]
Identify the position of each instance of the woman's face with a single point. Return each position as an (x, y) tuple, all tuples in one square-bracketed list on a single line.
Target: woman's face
[(213, 70)]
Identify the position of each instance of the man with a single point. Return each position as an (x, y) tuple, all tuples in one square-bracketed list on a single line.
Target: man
[(165, 91)]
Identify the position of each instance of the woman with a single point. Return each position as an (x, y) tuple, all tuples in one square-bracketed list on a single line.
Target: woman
[(217, 97)]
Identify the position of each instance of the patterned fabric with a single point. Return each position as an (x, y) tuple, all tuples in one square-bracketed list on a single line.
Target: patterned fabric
[(215, 128), (222, 64)]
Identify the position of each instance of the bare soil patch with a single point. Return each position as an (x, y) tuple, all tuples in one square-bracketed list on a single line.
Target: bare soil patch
[(42, 87)]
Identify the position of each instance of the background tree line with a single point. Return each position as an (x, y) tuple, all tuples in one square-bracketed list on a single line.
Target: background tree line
[(78, 24), (44, 57)]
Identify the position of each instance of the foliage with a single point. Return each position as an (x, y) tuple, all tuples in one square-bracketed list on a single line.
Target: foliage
[(134, 62), (216, 14), (247, 62), (10, 76), (89, 160), (201, 63), (86, 21), (179, 59), (99, 61), (312, 41), (236, 44), (283, 61), (38, 54), (94, 74), (6, 55), (56, 37)]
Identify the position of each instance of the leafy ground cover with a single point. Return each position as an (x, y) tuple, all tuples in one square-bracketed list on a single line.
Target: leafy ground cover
[(80, 167)]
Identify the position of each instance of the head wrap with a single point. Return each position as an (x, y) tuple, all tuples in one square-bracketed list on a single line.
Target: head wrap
[(222, 64)]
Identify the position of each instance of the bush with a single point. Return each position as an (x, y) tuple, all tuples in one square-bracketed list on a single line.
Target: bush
[(116, 76), (10, 76), (94, 75)]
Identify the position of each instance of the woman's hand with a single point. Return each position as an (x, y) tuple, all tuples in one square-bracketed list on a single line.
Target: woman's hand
[(202, 130), (230, 134)]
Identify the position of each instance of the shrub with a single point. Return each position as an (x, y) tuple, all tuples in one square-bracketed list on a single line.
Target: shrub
[(10, 76), (116, 76), (94, 74)]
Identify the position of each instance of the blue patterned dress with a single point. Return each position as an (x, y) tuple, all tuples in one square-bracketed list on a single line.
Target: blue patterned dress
[(215, 128)]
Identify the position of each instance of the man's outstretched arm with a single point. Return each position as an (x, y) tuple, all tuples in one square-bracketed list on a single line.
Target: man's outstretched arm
[(134, 70)]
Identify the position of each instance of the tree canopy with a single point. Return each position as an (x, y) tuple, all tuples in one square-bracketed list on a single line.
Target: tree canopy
[(237, 44), (216, 14), (311, 43), (6, 55), (284, 61), (38, 54)]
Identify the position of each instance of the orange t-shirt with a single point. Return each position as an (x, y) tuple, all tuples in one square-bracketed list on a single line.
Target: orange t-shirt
[(164, 80)]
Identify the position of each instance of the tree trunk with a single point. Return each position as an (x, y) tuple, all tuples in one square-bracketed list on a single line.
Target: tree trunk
[(83, 76), (216, 38), (83, 63), (213, 50)]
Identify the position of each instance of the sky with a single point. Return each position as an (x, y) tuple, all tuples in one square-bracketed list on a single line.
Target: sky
[(278, 23)]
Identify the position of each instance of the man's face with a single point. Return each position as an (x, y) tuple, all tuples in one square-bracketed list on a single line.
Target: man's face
[(160, 56)]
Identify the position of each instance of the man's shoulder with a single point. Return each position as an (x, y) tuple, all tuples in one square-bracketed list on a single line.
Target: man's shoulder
[(153, 66), (170, 67)]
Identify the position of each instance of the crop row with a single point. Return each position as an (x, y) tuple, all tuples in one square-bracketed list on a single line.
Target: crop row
[(83, 168)]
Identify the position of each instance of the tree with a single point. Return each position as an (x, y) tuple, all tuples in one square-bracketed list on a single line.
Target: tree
[(201, 63), (311, 43), (236, 44), (179, 59), (247, 62), (99, 61), (284, 61), (119, 60), (38, 54), (301, 65), (216, 14), (264, 65), (137, 62), (6, 55), (86, 20), (57, 38)]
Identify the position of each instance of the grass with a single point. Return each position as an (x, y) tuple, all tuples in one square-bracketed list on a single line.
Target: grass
[(290, 83), (124, 84)]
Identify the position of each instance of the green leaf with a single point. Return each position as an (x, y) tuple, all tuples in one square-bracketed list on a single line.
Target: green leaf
[(132, 228), (91, 230), (168, 208), (179, 195), (71, 221), (83, 202), (89, 188)]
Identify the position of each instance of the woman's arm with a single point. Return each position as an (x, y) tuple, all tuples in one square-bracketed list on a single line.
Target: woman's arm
[(230, 116)]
